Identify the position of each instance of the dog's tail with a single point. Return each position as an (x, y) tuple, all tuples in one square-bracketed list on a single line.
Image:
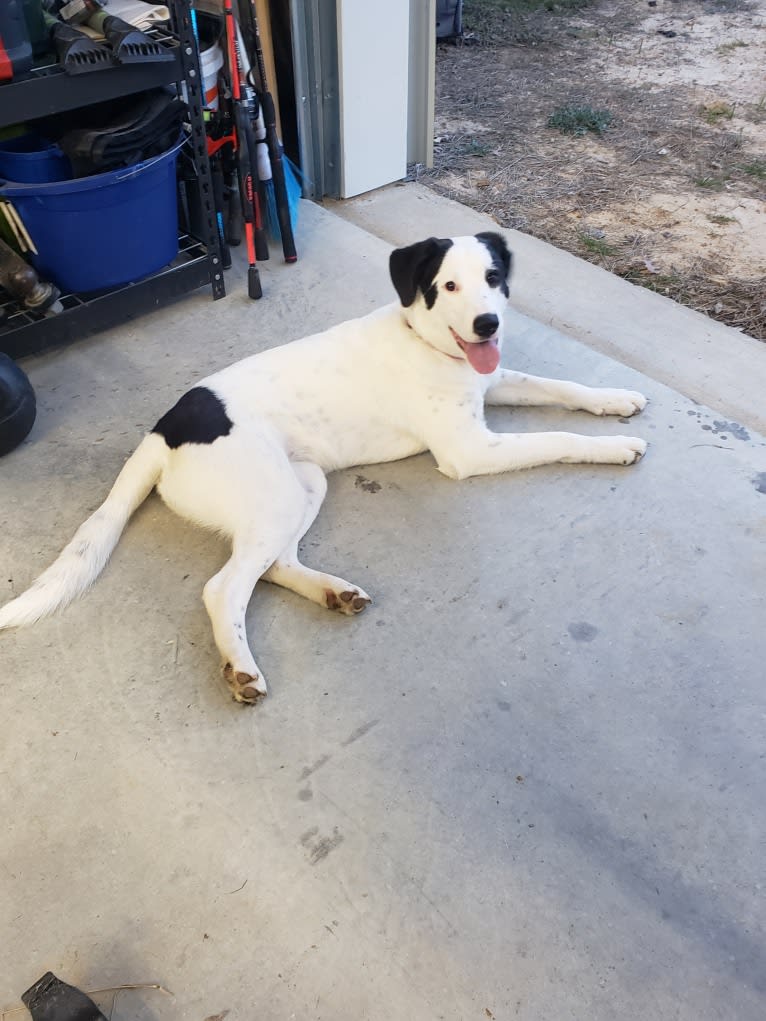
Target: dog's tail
[(84, 558)]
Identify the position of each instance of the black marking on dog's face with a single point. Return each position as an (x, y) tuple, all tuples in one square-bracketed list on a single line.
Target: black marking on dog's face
[(198, 417), (501, 257), (413, 269)]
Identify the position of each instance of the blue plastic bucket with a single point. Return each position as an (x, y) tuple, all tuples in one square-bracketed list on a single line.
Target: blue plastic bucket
[(31, 159), (102, 231)]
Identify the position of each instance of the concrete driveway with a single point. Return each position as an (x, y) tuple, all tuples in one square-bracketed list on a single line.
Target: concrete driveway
[(529, 782)]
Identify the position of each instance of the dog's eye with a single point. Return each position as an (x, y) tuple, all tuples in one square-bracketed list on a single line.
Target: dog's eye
[(493, 277), (451, 285)]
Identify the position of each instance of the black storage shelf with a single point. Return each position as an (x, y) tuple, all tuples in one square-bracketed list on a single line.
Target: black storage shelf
[(26, 332), (48, 90)]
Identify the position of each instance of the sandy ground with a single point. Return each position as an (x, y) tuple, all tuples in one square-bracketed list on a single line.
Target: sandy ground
[(672, 194)]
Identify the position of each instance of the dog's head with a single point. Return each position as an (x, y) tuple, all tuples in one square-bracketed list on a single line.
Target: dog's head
[(455, 291)]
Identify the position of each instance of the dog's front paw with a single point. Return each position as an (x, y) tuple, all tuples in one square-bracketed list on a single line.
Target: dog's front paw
[(626, 449), (624, 403), (244, 687)]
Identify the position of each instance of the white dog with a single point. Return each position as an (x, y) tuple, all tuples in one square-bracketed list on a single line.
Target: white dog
[(246, 451)]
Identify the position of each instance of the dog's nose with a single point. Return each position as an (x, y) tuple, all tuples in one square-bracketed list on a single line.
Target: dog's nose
[(485, 325)]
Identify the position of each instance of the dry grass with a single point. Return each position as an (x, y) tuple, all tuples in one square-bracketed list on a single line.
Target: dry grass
[(495, 152)]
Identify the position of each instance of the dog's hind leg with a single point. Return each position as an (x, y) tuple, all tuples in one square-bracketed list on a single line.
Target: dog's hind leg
[(226, 596), (290, 573), (242, 486)]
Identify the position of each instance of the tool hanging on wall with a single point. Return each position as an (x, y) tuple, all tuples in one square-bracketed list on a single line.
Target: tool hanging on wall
[(251, 115), (233, 224), (277, 190), (248, 191), (261, 158), (220, 151)]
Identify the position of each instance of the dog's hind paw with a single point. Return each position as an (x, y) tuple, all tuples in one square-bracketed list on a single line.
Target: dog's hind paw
[(349, 600), (245, 688)]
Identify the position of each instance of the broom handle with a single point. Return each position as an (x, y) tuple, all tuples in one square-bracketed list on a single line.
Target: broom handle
[(275, 149)]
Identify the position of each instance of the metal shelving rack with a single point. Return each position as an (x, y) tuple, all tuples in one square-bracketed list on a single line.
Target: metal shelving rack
[(48, 90)]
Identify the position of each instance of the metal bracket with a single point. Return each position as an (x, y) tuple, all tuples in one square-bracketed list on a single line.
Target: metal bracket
[(182, 23)]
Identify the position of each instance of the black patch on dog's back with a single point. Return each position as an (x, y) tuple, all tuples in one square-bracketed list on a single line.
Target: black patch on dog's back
[(413, 269), (501, 255), (198, 417)]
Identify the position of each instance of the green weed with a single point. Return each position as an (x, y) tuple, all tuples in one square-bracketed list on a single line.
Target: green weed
[(755, 168), (713, 183), (717, 112), (728, 47), (578, 120), (596, 246), (475, 148)]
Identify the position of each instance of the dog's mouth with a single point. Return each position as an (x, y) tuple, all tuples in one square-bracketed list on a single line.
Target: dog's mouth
[(482, 355)]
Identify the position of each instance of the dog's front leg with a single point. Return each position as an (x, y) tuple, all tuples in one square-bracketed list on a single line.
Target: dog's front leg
[(521, 389), (477, 451)]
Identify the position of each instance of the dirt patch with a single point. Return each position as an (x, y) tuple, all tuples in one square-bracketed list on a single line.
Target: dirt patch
[(665, 183)]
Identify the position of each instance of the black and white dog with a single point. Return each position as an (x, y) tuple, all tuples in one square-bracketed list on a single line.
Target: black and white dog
[(246, 451)]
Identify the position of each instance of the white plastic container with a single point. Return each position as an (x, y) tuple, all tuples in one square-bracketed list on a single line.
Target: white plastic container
[(211, 62)]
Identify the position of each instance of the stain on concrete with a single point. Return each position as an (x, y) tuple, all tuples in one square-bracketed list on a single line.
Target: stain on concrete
[(582, 631), (759, 481), (737, 431), (319, 849), (368, 485), (359, 732), (308, 770), (305, 794), (504, 707)]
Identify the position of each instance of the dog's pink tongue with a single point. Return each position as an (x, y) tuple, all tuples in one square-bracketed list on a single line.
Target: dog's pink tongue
[(484, 357)]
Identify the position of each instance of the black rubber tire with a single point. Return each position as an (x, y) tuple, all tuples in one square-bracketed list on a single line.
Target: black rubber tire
[(18, 406)]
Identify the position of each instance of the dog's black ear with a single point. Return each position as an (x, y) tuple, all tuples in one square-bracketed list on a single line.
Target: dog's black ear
[(501, 254), (414, 268)]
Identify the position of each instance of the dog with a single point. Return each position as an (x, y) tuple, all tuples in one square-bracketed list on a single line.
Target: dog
[(246, 451)]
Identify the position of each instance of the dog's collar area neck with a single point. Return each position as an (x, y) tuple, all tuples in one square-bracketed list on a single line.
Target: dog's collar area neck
[(455, 358)]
